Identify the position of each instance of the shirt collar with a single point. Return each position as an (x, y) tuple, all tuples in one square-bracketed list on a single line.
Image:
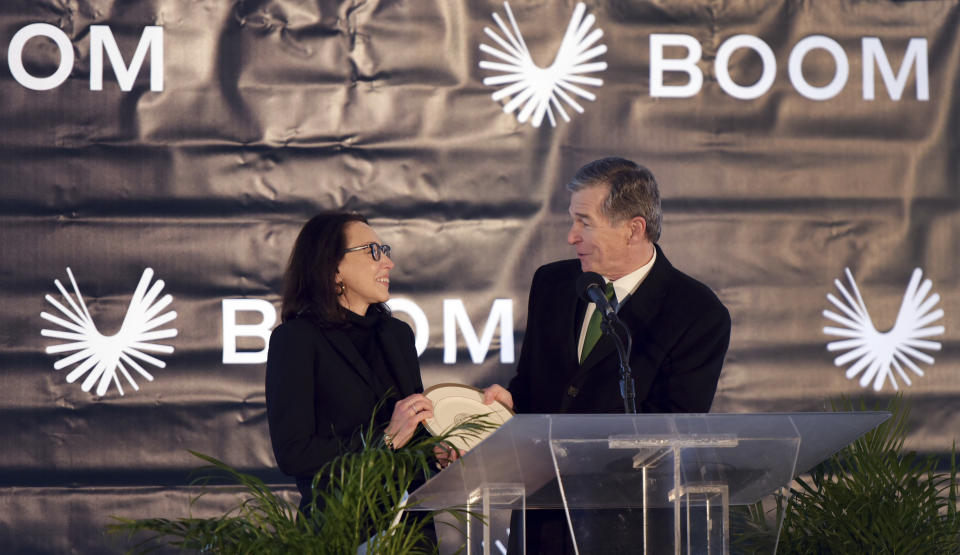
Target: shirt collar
[(625, 286)]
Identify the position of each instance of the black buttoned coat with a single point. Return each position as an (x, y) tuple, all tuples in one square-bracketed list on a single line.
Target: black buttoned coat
[(680, 333)]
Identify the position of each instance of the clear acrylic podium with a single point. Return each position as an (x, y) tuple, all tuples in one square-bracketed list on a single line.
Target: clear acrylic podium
[(648, 483)]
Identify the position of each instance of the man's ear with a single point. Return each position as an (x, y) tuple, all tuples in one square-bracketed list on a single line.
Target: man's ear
[(638, 230)]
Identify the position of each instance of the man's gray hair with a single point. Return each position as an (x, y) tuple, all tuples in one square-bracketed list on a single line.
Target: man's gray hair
[(633, 191)]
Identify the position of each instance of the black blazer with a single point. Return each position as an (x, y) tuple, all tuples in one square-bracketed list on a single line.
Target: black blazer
[(319, 391), (680, 330)]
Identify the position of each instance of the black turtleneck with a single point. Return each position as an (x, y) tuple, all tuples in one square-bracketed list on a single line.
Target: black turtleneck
[(364, 333)]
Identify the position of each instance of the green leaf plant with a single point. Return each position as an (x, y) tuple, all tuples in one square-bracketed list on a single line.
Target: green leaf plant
[(358, 504), (870, 497)]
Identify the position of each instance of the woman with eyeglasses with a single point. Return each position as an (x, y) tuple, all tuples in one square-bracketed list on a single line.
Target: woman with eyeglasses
[(338, 352)]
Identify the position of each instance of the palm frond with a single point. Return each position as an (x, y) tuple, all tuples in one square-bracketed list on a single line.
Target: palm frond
[(870, 497), (358, 501)]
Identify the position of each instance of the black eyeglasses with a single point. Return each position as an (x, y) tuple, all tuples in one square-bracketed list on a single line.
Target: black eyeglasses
[(376, 250)]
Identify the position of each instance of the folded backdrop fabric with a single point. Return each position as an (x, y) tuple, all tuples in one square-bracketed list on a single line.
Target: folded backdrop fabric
[(806, 154)]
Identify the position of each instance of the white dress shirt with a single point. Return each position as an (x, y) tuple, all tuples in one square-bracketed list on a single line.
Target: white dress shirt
[(622, 288)]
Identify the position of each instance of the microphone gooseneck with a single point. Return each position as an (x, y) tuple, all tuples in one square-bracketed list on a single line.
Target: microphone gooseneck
[(590, 287)]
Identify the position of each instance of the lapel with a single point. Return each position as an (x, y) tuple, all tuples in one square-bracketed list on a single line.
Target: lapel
[(342, 344), (573, 320), (396, 363), (637, 313)]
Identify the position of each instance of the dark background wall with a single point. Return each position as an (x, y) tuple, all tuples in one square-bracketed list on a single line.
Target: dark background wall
[(272, 110)]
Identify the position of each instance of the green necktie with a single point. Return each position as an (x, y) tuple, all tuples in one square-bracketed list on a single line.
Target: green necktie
[(593, 328)]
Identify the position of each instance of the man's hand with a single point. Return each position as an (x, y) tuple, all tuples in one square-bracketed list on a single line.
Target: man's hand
[(497, 392), (445, 454)]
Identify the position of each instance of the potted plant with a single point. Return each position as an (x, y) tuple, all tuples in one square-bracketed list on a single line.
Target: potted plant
[(360, 509), (872, 496)]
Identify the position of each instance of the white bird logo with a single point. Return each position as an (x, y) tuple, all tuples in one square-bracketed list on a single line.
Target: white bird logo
[(878, 354), (540, 90), (103, 356)]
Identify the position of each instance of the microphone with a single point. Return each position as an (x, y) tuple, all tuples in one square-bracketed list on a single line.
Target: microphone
[(590, 287)]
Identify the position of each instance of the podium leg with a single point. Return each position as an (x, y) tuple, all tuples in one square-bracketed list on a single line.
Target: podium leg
[(489, 523), (706, 523)]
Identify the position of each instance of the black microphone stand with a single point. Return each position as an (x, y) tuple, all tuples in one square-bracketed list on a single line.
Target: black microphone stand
[(627, 387)]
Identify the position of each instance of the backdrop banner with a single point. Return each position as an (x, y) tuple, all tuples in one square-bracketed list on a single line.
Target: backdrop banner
[(157, 159)]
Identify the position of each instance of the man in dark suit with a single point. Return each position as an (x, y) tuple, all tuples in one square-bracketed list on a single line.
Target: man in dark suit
[(680, 329)]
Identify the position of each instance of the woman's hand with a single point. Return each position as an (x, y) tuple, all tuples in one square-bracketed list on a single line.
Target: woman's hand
[(407, 414)]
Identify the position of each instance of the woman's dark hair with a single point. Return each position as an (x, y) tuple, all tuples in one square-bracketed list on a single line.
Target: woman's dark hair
[(309, 283)]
